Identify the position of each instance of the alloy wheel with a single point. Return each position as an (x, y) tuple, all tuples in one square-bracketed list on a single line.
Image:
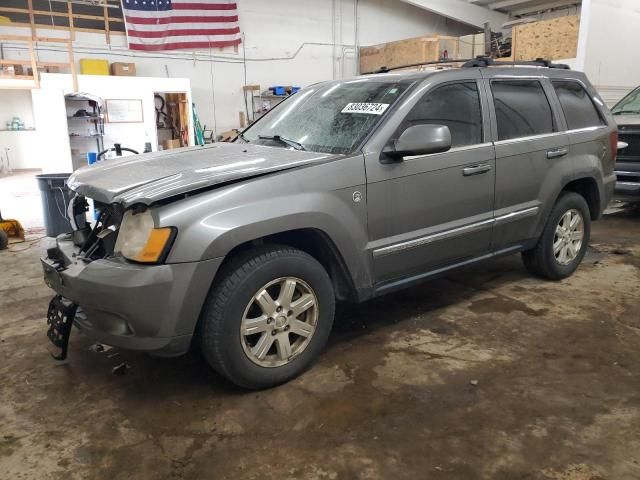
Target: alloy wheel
[(279, 321), (569, 236)]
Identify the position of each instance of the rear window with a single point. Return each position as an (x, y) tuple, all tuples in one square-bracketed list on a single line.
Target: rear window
[(522, 109), (578, 108)]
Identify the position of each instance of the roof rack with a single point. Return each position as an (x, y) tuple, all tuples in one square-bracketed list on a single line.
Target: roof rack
[(419, 64), (483, 61), (479, 61)]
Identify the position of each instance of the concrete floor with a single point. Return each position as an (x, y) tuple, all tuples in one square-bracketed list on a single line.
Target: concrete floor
[(20, 198), (487, 374)]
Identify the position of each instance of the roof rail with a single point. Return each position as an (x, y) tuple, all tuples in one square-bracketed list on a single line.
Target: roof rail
[(482, 61), (479, 61), (419, 64)]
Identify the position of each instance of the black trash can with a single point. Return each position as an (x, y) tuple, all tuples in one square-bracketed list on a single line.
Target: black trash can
[(55, 197)]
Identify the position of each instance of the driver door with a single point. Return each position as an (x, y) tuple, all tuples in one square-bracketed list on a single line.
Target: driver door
[(431, 211)]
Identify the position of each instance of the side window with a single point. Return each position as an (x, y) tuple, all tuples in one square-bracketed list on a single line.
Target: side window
[(578, 108), (456, 105), (522, 108)]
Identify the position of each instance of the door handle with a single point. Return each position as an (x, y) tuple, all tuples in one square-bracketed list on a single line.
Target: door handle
[(476, 170), (560, 152)]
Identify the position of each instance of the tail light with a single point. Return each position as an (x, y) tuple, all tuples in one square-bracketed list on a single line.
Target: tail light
[(613, 143)]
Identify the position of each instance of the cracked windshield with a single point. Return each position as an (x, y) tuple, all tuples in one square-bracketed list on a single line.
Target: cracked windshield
[(330, 118)]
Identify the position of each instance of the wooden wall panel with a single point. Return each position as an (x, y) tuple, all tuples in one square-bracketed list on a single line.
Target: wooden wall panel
[(550, 39), (403, 52)]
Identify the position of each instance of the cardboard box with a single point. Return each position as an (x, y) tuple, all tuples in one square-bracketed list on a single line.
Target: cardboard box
[(8, 71), (169, 144), (94, 66), (228, 136), (123, 69)]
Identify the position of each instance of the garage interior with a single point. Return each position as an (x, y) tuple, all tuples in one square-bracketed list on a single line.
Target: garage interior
[(484, 372)]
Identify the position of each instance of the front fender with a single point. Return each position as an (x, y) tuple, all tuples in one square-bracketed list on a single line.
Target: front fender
[(212, 223)]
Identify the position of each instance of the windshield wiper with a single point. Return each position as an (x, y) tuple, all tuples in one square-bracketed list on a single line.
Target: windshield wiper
[(622, 112), (242, 137), (281, 139)]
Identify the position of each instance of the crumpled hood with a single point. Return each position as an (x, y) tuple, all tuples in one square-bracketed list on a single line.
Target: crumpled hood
[(150, 177)]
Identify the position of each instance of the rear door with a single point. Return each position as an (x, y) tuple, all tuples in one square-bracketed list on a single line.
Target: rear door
[(529, 142), (429, 211), (587, 129)]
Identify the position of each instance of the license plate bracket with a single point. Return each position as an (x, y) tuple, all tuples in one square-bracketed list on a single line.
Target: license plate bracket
[(60, 317)]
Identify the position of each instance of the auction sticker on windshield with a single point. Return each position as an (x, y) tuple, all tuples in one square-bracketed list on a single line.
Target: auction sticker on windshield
[(370, 108)]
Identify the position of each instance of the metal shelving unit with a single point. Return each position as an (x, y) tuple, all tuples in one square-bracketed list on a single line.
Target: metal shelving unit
[(85, 128), (261, 97)]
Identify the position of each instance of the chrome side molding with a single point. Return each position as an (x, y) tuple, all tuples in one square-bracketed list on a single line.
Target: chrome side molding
[(455, 232)]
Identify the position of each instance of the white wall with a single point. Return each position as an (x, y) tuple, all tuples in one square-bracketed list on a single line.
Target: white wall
[(465, 11), (16, 103), (287, 42), (377, 24), (17, 148), (608, 46), (49, 146)]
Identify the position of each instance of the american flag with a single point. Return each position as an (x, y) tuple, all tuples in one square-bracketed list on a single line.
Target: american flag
[(180, 24)]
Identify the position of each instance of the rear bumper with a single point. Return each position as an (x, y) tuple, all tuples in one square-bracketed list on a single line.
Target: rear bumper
[(628, 185), (151, 308)]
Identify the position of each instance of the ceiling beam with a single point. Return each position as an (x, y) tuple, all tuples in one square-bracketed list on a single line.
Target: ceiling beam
[(506, 4), (462, 11), (519, 21), (539, 7)]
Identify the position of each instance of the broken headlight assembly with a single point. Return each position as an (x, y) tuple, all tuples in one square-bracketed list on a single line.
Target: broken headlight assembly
[(140, 241)]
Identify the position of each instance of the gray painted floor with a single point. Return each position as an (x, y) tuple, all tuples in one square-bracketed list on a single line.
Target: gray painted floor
[(486, 374)]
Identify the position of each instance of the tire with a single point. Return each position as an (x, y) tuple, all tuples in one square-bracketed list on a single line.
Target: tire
[(542, 260), (4, 240), (234, 307)]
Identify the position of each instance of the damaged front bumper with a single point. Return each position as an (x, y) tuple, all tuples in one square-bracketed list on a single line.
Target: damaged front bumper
[(152, 308)]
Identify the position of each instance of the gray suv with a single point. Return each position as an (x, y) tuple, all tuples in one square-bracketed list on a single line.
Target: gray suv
[(345, 191)]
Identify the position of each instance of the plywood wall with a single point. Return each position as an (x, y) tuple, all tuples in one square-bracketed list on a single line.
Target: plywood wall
[(403, 52), (550, 39)]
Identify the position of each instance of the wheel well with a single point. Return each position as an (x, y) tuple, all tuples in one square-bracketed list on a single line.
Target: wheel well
[(588, 188), (317, 244)]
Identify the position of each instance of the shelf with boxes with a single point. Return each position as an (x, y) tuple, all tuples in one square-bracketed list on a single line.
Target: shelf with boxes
[(263, 101), (85, 123), (97, 66)]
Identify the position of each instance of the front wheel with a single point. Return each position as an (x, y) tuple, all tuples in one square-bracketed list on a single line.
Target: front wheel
[(564, 240), (268, 317)]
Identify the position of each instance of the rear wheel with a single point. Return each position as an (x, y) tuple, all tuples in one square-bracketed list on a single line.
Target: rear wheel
[(564, 240), (267, 317)]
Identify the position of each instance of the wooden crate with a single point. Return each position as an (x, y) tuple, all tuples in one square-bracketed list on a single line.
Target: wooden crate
[(553, 39), (408, 51)]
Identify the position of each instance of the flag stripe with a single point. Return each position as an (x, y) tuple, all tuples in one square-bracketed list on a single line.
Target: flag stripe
[(203, 6), (179, 19), (185, 38), (183, 45), (182, 13), (183, 26), (185, 31)]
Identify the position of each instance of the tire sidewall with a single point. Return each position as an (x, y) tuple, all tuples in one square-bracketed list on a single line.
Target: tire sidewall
[(235, 359), (565, 203)]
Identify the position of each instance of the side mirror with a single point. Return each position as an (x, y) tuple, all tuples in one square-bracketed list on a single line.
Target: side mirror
[(420, 140)]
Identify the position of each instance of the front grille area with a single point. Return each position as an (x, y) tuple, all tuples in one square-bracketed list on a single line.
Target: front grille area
[(627, 179), (101, 239), (632, 152)]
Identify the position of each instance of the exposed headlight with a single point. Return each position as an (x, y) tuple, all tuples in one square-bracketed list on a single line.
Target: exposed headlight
[(140, 241)]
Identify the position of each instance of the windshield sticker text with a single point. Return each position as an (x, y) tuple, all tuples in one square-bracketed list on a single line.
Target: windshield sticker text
[(370, 108)]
